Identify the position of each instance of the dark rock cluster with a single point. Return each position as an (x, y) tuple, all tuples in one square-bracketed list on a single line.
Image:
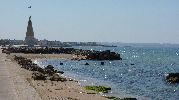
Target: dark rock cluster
[(28, 64), (39, 73), (103, 55), (172, 77), (89, 54)]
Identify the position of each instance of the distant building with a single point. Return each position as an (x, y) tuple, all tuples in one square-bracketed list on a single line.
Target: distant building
[(29, 39), (16, 42), (43, 42), (81, 43)]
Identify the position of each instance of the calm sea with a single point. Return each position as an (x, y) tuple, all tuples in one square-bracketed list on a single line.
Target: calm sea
[(140, 74)]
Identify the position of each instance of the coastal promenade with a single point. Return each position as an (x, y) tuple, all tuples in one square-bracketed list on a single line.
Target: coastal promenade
[(13, 86), (7, 89)]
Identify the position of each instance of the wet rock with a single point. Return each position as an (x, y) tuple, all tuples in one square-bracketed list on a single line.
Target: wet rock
[(35, 67), (61, 72), (50, 67), (28, 64), (57, 77), (38, 76), (172, 77), (128, 99), (86, 64), (49, 70), (102, 63), (103, 55)]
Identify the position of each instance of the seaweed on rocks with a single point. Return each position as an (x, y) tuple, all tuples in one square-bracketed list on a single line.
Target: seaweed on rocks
[(102, 89)]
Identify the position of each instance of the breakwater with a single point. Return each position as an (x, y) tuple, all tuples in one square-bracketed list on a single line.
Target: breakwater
[(89, 54)]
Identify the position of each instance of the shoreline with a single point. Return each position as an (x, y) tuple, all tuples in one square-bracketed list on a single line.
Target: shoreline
[(96, 82), (52, 90), (70, 90)]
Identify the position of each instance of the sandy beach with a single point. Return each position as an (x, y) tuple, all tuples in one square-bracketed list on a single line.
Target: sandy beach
[(49, 56), (46, 90)]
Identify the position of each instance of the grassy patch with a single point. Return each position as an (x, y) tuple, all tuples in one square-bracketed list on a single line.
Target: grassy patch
[(102, 89)]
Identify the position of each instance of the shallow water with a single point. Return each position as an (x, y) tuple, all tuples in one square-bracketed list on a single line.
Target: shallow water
[(141, 73)]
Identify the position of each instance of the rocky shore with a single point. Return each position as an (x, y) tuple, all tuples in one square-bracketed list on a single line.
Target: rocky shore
[(87, 54), (50, 83)]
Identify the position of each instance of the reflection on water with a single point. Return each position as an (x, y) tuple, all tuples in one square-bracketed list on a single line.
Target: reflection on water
[(140, 73)]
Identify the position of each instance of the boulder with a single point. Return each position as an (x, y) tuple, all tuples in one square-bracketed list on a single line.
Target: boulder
[(49, 67), (86, 64), (61, 72), (103, 55), (57, 77), (172, 77), (38, 76), (49, 70), (102, 63)]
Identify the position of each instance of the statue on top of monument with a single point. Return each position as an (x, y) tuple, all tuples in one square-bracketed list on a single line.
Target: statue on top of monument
[(30, 18)]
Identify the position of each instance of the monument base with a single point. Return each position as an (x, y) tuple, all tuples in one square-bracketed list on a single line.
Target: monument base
[(30, 41)]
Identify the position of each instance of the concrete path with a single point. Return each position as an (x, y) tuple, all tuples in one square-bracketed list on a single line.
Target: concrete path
[(7, 89)]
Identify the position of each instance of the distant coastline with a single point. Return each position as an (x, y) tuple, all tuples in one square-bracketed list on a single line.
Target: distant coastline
[(109, 45)]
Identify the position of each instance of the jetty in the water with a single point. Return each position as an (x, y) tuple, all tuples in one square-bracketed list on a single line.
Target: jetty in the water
[(89, 54)]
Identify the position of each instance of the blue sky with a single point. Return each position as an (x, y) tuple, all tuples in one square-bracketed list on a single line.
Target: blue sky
[(131, 21)]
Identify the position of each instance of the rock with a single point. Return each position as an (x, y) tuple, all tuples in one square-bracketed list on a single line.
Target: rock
[(49, 67), (70, 79), (86, 64), (103, 55), (56, 77), (61, 72), (49, 70), (102, 63), (172, 77), (61, 63), (38, 76), (128, 99), (35, 67), (112, 97)]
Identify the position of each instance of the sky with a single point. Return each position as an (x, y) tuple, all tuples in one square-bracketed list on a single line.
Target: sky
[(129, 21)]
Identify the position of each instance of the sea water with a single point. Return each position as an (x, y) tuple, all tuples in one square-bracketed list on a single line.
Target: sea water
[(140, 74)]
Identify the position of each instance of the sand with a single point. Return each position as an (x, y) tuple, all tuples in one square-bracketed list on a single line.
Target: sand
[(49, 56), (47, 90)]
